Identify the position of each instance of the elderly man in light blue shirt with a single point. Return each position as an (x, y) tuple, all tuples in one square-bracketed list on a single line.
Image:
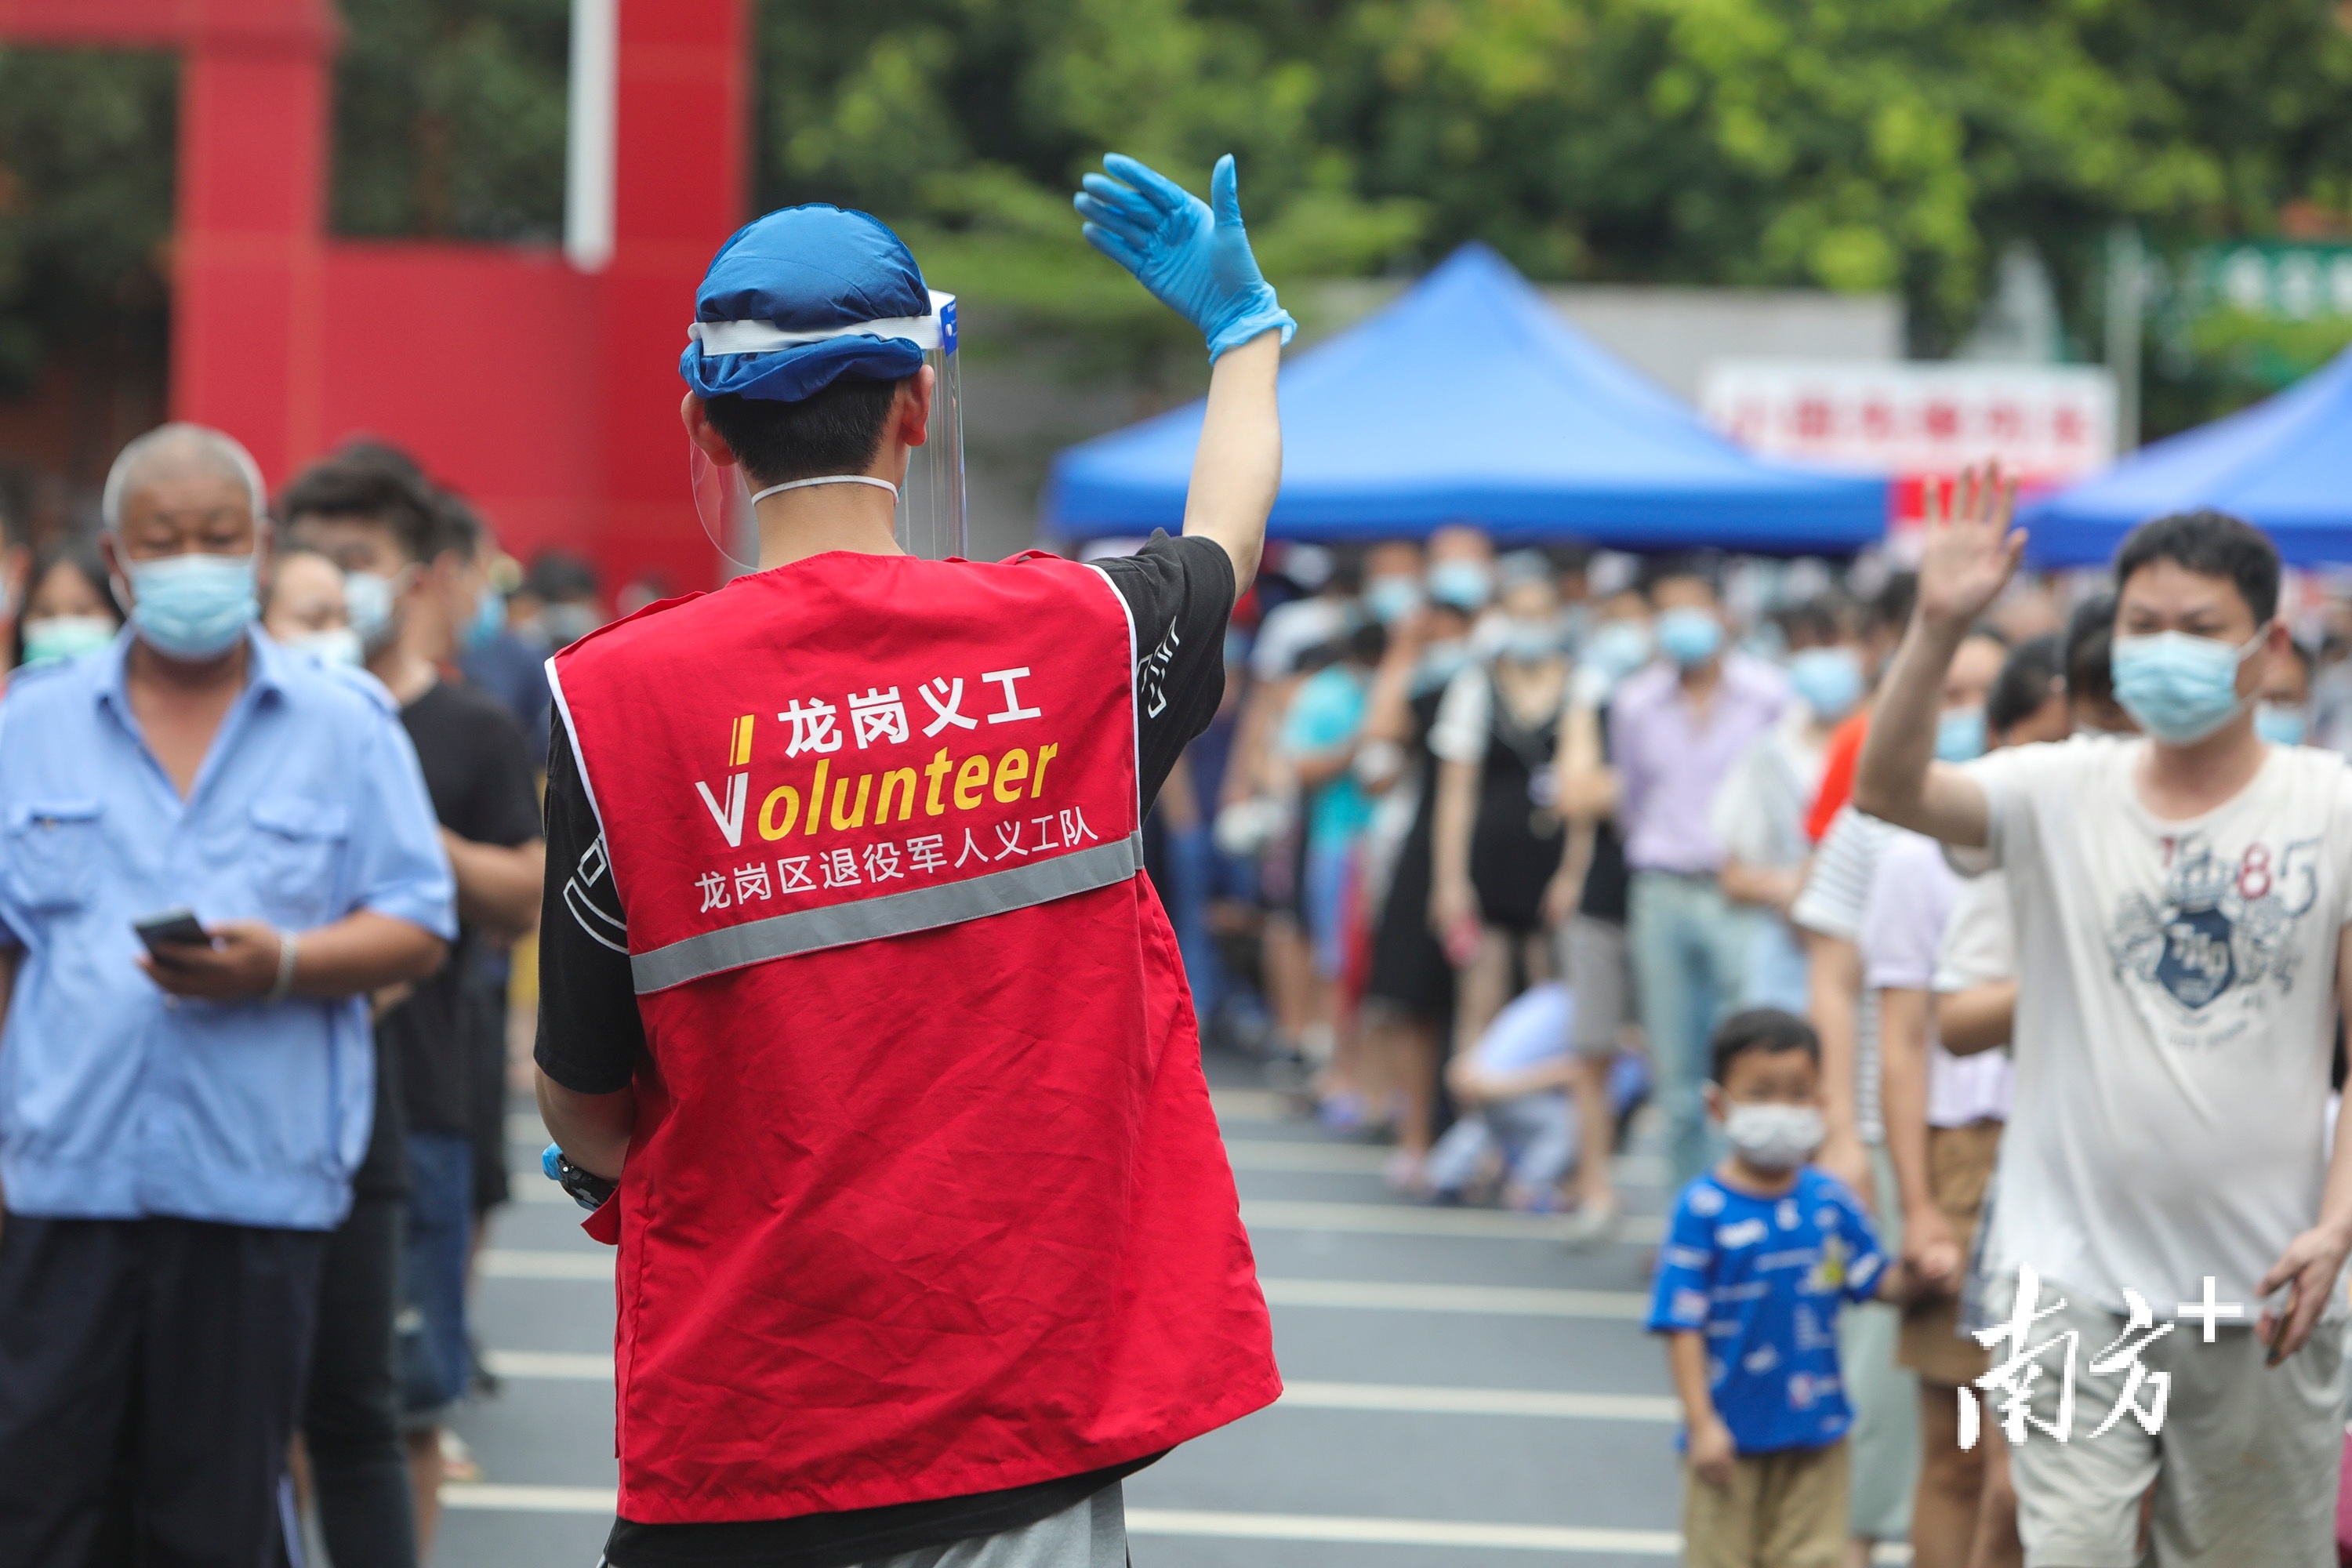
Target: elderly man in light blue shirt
[(178, 1128)]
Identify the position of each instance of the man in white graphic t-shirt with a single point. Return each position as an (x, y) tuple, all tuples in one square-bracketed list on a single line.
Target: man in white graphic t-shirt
[(2180, 902)]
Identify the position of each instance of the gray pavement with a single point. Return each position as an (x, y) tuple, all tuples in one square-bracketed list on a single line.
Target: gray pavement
[(1464, 1389)]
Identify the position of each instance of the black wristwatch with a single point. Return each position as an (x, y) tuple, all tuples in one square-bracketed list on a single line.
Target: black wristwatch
[(588, 1189)]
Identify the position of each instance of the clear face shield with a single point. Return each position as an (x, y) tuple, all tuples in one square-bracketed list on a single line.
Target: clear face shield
[(930, 521), (930, 503)]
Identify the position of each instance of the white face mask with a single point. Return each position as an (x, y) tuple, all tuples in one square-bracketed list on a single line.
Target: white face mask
[(370, 600), (336, 645), (1773, 1137)]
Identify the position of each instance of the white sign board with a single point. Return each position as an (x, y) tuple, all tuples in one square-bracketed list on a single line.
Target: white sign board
[(2044, 423)]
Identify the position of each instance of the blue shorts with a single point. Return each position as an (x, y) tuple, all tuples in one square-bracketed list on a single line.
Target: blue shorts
[(433, 1360)]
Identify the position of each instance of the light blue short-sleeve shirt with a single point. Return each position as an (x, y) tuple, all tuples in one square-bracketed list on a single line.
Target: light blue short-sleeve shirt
[(118, 1102)]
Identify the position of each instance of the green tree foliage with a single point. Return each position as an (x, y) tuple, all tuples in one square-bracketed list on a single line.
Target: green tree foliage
[(969, 122), (1852, 145), (85, 202), (449, 119)]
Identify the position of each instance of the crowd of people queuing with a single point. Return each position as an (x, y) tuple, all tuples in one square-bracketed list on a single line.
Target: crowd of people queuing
[(327, 708), (1485, 851), (1488, 849)]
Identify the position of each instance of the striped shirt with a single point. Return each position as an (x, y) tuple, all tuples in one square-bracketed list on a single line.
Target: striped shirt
[(1836, 892)]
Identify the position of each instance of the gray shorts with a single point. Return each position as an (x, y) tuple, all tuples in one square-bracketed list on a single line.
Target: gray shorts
[(1089, 1534), (1600, 971), (2244, 1463)]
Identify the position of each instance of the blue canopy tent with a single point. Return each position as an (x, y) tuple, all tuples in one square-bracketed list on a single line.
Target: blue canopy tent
[(1468, 400), (2284, 465)]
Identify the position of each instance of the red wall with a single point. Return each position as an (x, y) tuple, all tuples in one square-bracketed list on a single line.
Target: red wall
[(485, 359), (548, 395), (680, 186)]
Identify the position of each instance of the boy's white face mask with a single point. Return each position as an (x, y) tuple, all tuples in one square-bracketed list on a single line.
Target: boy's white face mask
[(1773, 1137)]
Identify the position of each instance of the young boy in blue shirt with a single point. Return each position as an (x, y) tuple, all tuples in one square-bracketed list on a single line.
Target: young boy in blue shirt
[(1762, 1252)]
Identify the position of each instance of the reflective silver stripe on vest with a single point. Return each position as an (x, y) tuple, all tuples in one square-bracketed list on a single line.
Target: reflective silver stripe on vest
[(894, 914)]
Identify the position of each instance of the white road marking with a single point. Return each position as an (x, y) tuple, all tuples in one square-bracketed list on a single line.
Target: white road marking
[(1639, 1170), (513, 1263), (1417, 1399), (490, 1497), (1302, 1154), (1357, 1219), (1359, 1530), (1229, 1104), (1370, 1160), (1246, 1154), (1490, 1301), (558, 1366), (1409, 1219), (1379, 1295), (1388, 1398), (494, 1497), (1249, 1105)]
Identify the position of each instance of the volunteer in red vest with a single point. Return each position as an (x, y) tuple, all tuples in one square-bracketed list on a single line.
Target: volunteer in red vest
[(856, 1000)]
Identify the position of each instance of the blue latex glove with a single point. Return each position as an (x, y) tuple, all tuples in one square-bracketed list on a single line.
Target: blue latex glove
[(1195, 261)]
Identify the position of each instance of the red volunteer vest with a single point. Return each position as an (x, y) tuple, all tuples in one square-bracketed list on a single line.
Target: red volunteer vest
[(926, 1196)]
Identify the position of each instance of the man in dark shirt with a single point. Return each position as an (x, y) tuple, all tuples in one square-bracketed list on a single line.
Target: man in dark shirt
[(412, 563)]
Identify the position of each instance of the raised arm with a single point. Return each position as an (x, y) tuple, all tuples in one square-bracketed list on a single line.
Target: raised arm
[(1194, 256), (1967, 560), (1238, 465)]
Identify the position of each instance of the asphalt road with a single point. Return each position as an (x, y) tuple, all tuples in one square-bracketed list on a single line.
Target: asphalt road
[(1462, 1389)]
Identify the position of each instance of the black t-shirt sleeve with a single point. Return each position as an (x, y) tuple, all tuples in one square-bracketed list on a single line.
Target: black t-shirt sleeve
[(589, 1032), (1181, 593)]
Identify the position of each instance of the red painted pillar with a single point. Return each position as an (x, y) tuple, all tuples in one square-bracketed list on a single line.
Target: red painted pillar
[(682, 178), (248, 259)]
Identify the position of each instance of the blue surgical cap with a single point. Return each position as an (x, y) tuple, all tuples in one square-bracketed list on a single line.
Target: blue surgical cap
[(813, 269)]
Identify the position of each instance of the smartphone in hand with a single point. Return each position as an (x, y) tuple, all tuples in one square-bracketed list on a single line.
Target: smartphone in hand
[(170, 928)]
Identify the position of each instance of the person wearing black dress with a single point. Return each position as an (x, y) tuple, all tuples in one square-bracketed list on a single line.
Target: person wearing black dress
[(1498, 835), (1409, 995)]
